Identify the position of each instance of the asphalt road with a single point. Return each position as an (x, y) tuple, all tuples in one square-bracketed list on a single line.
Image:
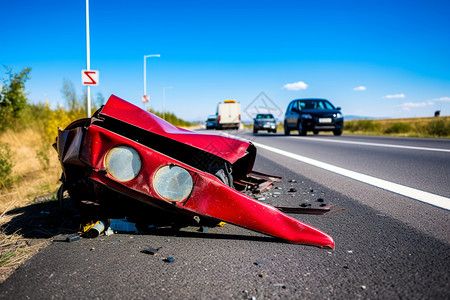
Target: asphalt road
[(388, 246)]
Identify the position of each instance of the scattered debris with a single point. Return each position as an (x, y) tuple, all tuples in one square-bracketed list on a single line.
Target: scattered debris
[(169, 259), (93, 230), (259, 262), (151, 250), (203, 229), (109, 231), (73, 237), (122, 225), (306, 208), (292, 181), (292, 190), (320, 200)]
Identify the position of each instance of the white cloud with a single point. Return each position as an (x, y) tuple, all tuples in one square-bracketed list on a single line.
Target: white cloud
[(394, 96), (296, 86), (443, 99), (409, 105), (359, 88)]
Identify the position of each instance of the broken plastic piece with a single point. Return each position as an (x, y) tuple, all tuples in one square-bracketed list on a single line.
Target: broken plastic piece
[(150, 250), (320, 200), (305, 204), (292, 190), (203, 229), (73, 237), (109, 231), (169, 259)]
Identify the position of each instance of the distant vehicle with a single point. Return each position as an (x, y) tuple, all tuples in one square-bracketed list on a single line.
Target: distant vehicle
[(211, 122), (313, 115), (228, 114), (264, 122)]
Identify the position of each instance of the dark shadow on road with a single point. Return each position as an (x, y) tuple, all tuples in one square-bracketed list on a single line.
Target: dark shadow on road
[(42, 220), (47, 219), (207, 235)]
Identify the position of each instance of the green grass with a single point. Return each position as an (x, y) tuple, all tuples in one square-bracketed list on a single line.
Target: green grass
[(437, 127)]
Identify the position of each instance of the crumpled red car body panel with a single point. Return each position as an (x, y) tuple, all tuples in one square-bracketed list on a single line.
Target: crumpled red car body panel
[(210, 197), (230, 150)]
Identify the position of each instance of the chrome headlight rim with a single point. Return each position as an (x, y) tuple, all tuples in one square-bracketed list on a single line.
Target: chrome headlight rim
[(173, 183), (123, 163)]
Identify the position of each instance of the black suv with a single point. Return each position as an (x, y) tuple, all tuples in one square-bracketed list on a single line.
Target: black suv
[(313, 115)]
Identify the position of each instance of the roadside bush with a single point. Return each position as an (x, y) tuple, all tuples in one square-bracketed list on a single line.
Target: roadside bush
[(58, 118), (6, 166), (399, 127), (362, 126), (439, 128)]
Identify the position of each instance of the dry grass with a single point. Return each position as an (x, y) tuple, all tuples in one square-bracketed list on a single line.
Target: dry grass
[(33, 177)]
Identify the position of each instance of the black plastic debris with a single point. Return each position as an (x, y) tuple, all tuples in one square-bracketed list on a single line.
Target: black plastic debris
[(259, 262), (73, 237), (323, 204), (292, 180), (320, 200), (292, 190), (305, 204), (150, 250), (169, 259)]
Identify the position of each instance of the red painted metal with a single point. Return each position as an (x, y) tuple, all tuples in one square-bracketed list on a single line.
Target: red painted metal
[(210, 198), (224, 147)]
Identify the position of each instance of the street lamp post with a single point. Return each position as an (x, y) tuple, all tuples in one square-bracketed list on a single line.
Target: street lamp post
[(164, 100), (145, 76)]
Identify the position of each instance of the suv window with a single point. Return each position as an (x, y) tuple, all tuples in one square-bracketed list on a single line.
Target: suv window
[(328, 105), (289, 109), (295, 106)]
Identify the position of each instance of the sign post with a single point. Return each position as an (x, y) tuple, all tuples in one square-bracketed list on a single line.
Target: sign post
[(88, 61)]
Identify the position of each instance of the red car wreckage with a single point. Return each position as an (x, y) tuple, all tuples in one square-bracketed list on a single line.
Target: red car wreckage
[(123, 154)]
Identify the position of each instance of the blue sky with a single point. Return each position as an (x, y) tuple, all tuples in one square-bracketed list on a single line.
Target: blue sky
[(372, 58)]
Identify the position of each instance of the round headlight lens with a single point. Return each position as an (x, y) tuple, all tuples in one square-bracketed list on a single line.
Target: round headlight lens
[(173, 183), (123, 163)]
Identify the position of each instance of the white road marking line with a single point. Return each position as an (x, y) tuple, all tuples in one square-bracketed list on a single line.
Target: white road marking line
[(377, 145), (416, 194)]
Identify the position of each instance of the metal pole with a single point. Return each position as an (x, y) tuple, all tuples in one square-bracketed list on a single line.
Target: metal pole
[(145, 82), (145, 72), (88, 59), (164, 100)]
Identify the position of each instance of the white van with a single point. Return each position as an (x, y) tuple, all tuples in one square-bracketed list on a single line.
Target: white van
[(229, 114)]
